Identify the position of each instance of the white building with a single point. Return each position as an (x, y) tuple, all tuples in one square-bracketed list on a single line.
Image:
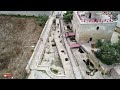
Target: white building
[(92, 25)]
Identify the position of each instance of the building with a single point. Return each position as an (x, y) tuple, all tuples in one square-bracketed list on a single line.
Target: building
[(93, 25)]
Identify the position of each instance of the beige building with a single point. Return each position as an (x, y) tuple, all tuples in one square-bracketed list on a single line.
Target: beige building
[(93, 25)]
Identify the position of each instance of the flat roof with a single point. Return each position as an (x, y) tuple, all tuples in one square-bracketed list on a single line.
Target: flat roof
[(103, 17)]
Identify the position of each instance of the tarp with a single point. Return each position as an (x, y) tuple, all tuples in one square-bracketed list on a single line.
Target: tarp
[(76, 45), (69, 34)]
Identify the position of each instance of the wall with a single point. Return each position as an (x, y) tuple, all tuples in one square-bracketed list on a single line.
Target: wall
[(39, 48), (87, 31), (118, 21), (36, 13), (115, 38)]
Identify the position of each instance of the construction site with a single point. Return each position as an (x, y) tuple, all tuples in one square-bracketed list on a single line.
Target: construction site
[(59, 50)]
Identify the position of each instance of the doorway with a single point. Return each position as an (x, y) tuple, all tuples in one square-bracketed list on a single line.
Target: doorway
[(89, 15)]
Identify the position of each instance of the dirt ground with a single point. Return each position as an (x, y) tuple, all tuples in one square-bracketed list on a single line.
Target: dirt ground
[(16, 35)]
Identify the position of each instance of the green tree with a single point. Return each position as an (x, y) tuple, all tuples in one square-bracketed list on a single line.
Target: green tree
[(67, 17), (109, 53), (42, 19)]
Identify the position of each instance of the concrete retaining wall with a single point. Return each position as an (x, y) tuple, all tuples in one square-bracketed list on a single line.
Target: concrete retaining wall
[(39, 49)]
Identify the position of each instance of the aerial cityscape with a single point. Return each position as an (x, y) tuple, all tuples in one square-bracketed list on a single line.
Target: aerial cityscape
[(60, 45)]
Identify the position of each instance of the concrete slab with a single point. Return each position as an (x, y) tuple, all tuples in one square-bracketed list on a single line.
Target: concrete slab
[(38, 75)]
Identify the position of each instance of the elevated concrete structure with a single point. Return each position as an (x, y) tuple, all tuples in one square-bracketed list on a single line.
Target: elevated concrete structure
[(75, 68), (62, 52), (39, 49)]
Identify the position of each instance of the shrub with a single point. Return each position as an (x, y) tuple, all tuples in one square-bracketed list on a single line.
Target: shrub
[(54, 70), (4, 60), (18, 15), (109, 53), (42, 19)]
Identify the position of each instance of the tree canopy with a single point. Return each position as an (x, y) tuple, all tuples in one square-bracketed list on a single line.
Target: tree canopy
[(67, 17), (109, 53), (42, 19)]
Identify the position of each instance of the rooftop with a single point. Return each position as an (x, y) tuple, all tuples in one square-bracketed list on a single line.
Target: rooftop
[(96, 17)]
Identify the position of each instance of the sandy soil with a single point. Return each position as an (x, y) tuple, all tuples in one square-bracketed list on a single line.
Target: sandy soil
[(16, 35)]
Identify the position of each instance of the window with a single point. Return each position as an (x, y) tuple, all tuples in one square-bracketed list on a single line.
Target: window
[(89, 15), (97, 28)]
